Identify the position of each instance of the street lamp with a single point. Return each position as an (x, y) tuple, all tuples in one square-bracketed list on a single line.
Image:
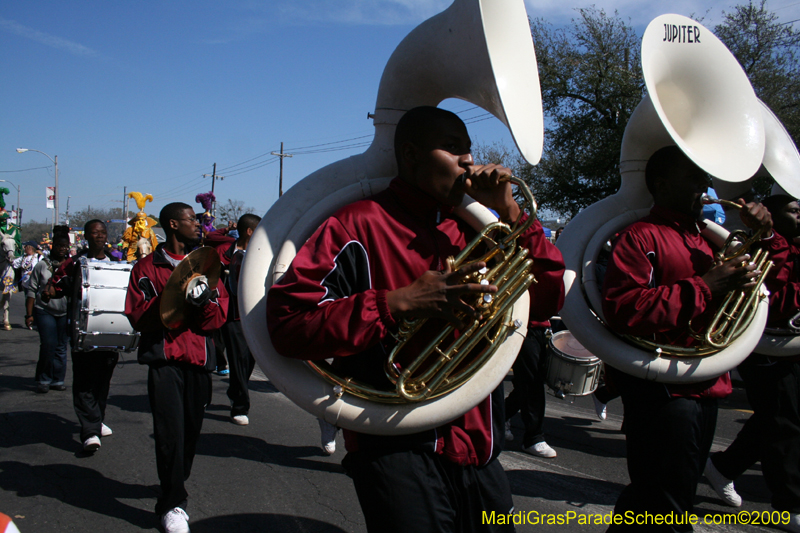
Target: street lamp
[(55, 162), (19, 218)]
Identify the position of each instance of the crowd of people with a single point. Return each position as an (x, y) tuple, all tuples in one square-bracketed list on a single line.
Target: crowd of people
[(379, 261)]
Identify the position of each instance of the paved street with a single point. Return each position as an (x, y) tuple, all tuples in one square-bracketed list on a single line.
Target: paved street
[(271, 475)]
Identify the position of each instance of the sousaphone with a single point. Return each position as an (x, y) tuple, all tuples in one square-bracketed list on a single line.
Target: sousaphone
[(480, 51), (699, 99)]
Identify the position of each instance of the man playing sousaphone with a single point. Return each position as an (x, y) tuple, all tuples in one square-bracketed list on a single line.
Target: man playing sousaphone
[(383, 259), (662, 274)]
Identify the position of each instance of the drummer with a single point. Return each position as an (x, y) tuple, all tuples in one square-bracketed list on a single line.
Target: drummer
[(91, 371), (661, 275), (180, 360)]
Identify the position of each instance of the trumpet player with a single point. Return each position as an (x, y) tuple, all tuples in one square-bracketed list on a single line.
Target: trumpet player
[(383, 259), (661, 275)]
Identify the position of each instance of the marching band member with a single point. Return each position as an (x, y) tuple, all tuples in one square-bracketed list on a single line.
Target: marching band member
[(91, 371), (772, 433), (179, 360), (382, 259), (661, 275), (240, 361)]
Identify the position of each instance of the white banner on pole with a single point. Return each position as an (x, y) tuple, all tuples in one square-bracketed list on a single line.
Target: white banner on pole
[(50, 193)]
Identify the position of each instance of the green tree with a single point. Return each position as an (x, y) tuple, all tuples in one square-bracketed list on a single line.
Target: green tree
[(591, 82), (768, 52)]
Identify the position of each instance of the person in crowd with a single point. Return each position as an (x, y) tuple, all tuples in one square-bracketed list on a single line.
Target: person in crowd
[(50, 318), (179, 360), (24, 264), (240, 361), (383, 259), (9, 250), (91, 370), (662, 274), (772, 433)]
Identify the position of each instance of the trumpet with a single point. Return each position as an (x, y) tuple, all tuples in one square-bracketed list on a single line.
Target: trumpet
[(440, 369)]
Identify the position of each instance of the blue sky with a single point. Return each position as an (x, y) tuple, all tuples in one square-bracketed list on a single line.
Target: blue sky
[(150, 94)]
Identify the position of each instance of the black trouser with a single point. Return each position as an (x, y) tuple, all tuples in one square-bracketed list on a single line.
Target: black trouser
[(772, 433), (528, 396), (668, 440), (219, 350), (91, 380), (424, 493), (178, 396), (241, 364)]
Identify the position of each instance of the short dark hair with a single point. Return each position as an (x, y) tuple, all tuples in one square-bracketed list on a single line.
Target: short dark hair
[(247, 221), (171, 212), (413, 125), (776, 202), (663, 164), (93, 222), (61, 236)]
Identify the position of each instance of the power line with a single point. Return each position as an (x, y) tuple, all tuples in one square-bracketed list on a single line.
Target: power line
[(25, 169)]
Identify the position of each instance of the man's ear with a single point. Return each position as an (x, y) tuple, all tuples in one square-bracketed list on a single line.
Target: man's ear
[(250, 232), (408, 153), (173, 224)]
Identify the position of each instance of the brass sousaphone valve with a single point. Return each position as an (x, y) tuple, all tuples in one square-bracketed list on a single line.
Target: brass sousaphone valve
[(453, 356)]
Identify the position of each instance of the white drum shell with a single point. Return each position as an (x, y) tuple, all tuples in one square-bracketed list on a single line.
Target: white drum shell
[(99, 323), (569, 374)]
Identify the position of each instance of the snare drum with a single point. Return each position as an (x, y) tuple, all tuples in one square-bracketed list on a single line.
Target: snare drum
[(99, 322), (571, 368)]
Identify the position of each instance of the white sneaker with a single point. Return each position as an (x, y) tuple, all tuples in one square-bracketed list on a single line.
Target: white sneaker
[(509, 434), (105, 431), (327, 436), (175, 521), (793, 525), (722, 485), (599, 408), (541, 449), (92, 444), (240, 420)]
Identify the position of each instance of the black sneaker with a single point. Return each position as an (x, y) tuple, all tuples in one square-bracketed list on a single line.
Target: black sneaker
[(42, 388), (61, 387)]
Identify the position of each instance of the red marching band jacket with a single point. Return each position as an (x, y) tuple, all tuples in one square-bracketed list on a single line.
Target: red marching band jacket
[(190, 344), (653, 286), (332, 302)]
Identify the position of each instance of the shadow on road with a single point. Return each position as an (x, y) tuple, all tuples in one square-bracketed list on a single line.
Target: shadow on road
[(79, 487), (258, 523), (254, 449), (559, 487)]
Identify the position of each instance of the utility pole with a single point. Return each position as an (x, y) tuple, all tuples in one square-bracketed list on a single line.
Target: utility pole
[(280, 181), (67, 214), (125, 204), (214, 179)]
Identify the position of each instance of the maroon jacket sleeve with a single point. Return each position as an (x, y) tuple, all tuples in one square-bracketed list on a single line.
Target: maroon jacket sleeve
[(547, 295), (143, 300), (784, 285), (633, 305), (306, 322)]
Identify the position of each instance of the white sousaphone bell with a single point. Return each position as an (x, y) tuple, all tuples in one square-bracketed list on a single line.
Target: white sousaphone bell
[(699, 99), (480, 51), (781, 163)]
